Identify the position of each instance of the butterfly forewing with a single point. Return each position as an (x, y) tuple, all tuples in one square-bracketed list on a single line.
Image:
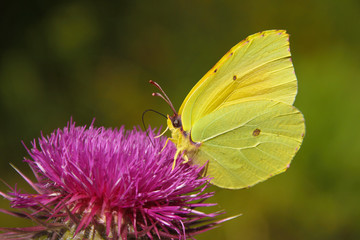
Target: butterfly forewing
[(257, 68)]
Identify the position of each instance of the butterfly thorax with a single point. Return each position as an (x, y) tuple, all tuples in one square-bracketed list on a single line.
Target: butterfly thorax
[(181, 138)]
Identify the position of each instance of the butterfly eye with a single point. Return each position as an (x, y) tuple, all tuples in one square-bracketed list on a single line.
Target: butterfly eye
[(176, 123)]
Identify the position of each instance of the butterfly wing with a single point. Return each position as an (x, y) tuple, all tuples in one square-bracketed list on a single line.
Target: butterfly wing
[(259, 67), (249, 142)]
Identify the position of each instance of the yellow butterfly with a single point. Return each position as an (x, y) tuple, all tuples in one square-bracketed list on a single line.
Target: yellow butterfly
[(239, 118)]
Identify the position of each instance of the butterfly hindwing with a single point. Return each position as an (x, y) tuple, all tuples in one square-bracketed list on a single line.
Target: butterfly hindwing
[(247, 143)]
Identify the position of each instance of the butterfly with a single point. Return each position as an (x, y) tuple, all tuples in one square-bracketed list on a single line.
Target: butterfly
[(239, 119)]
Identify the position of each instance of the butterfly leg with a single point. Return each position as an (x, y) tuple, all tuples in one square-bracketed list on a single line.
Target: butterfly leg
[(175, 157), (186, 158), (162, 133), (167, 140)]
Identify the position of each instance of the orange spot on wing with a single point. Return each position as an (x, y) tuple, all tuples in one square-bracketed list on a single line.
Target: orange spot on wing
[(256, 132)]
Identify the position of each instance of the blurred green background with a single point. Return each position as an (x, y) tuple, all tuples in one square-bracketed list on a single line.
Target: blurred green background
[(64, 58)]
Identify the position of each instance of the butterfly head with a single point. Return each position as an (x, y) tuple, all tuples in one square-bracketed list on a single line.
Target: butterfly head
[(176, 121), (175, 125)]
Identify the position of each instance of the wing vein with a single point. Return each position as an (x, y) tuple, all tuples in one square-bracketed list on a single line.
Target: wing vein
[(231, 129)]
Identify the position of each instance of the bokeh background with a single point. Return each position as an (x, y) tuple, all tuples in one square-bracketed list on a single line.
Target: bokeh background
[(93, 60)]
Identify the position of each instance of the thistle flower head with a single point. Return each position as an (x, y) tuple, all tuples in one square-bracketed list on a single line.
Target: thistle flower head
[(98, 183)]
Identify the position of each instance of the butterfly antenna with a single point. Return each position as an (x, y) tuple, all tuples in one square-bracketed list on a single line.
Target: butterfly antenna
[(163, 96), (143, 122)]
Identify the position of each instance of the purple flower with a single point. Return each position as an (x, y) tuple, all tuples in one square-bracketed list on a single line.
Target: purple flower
[(99, 183)]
